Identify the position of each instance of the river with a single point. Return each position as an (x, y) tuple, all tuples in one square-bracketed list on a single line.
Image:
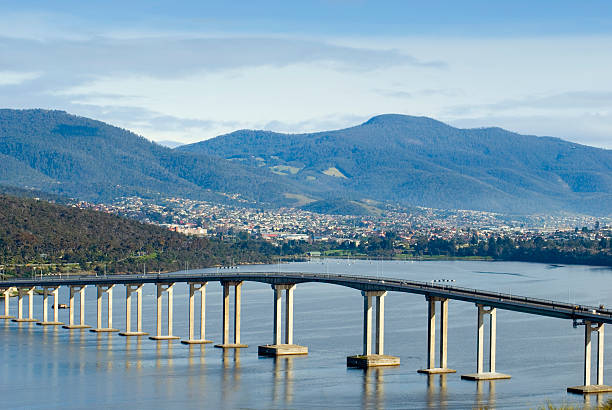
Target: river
[(44, 367)]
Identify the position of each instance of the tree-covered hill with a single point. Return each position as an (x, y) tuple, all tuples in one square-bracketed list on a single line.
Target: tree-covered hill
[(421, 161), (86, 159), (411, 161), (35, 231)]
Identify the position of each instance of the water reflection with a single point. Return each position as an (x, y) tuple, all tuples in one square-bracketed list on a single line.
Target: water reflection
[(196, 355), (78, 360), (436, 400), (373, 387), (197, 364), (160, 354), (484, 400), (283, 380), (231, 367), (170, 355), (104, 351), (133, 354), (50, 336), (594, 401)]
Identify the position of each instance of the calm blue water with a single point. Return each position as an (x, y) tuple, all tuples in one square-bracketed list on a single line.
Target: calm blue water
[(43, 367)]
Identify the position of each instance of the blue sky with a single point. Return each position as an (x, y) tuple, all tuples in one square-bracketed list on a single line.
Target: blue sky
[(188, 71)]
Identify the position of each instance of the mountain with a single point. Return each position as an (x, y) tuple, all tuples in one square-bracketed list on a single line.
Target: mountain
[(411, 161), (424, 162), (35, 231), (56, 152)]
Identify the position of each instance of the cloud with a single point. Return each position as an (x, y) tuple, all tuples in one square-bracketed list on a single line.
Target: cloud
[(567, 100), (116, 79), (148, 122), (427, 92), (16, 78), (171, 56), (322, 123)]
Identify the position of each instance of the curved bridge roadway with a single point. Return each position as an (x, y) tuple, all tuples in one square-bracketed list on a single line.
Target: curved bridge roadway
[(505, 301)]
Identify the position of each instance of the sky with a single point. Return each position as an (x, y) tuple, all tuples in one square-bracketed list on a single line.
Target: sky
[(191, 70)]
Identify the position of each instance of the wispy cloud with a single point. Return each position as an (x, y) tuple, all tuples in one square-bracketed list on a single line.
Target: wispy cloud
[(399, 92), (566, 100), (323, 123), (147, 122), (16, 78), (175, 56)]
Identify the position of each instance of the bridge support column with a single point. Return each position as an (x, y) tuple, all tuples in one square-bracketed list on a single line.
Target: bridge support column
[(431, 337), (277, 348), (491, 374), (129, 289), (600, 387), (80, 289), (54, 291), (102, 289), (226, 305), (7, 296), (367, 359), (193, 288), (21, 293), (161, 288)]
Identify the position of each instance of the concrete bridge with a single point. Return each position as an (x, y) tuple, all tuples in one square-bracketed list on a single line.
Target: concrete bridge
[(372, 289)]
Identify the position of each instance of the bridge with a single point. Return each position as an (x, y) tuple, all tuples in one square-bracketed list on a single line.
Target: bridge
[(372, 289)]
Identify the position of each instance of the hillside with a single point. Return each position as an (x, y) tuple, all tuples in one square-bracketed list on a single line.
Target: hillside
[(411, 161), (78, 157), (35, 231), (421, 161)]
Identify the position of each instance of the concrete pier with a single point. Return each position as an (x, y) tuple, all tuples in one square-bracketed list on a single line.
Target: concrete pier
[(129, 289), (431, 337), (367, 359), (278, 348), (161, 288), (54, 291), (193, 288), (102, 289), (6, 292), (237, 300), (587, 387), (80, 289), (491, 374), (21, 293)]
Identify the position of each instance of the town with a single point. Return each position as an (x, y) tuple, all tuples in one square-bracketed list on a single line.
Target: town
[(201, 218)]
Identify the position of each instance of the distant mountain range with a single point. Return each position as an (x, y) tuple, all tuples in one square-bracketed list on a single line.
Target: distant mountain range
[(411, 161), (421, 161)]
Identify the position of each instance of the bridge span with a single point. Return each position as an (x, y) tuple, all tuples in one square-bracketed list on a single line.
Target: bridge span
[(372, 288)]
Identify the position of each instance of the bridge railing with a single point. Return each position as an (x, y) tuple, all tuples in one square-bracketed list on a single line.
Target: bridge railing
[(423, 286), (491, 294)]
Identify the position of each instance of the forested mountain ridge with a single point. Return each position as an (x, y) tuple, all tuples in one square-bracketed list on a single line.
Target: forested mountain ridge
[(421, 161), (411, 161), (78, 157), (51, 235)]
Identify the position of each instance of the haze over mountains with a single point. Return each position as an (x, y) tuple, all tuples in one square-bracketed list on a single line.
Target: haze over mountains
[(390, 158)]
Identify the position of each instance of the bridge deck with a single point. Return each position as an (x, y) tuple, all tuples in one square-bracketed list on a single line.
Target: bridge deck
[(530, 305)]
